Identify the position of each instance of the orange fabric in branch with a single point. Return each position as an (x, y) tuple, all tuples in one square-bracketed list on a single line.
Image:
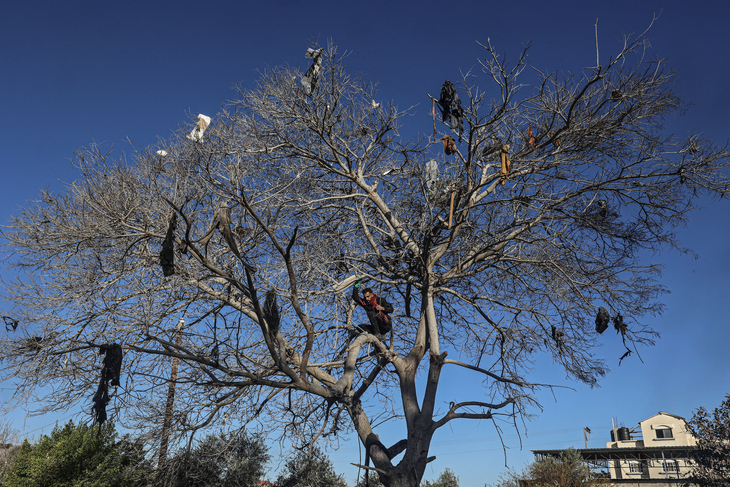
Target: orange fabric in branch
[(449, 144), (505, 162)]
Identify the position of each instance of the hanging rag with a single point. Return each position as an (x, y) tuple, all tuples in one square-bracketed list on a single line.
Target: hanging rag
[(345, 283), (451, 111), (557, 336), (167, 254), (271, 312), (222, 222), (197, 134), (531, 136), (432, 178), (341, 263), (161, 153), (505, 162), (449, 144), (619, 325), (437, 191), (309, 80), (110, 372), (10, 322), (433, 115), (602, 319)]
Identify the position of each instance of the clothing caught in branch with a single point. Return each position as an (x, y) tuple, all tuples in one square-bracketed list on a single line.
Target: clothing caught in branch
[(531, 136), (271, 312), (222, 222), (10, 322), (451, 111), (310, 79), (167, 254), (602, 319), (449, 144), (197, 134), (110, 373), (619, 325), (504, 155)]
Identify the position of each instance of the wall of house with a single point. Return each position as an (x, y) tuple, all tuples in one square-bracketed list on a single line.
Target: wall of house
[(680, 436), (660, 430)]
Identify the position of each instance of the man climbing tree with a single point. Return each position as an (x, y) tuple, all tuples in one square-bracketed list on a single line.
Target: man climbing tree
[(377, 309), (503, 273)]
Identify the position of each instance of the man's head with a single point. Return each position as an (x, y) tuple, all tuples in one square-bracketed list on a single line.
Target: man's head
[(367, 293)]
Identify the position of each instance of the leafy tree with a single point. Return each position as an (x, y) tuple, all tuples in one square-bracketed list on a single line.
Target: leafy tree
[(76, 455), (712, 457), (304, 470), (567, 470), (292, 190), (446, 479), (372, 480), (219, 460)]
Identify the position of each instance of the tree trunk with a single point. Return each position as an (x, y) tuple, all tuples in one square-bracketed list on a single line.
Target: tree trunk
[(162, 458)]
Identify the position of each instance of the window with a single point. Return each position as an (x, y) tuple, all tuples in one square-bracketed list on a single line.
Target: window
[(670, 466), (664, 432), (636, 467)]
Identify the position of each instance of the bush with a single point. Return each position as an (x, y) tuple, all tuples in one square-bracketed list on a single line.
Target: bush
[(372, 480), (236, 460), (446, 479), (567, 470), (76, 455), (303, 470)]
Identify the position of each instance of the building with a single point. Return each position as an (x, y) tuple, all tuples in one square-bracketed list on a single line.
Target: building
[(654, 453)]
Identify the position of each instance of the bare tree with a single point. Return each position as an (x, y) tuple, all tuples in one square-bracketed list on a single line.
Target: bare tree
[(290, 191), (9, 445)]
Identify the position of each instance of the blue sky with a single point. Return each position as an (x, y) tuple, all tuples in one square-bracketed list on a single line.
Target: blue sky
[(82, 71)]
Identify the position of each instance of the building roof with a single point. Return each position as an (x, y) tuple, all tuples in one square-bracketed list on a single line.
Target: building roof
[(638, 453), (666, 414)]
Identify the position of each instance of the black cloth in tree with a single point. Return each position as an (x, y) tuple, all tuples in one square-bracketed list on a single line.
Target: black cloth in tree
[(451, 111), (110, 371)]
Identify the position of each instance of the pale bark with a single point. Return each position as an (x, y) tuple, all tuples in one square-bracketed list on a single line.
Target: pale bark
[(322, 187)]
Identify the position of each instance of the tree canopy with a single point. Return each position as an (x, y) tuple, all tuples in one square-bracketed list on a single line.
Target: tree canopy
[(567, 470), (311, 469), (77, 455), (510, 241), (711, 459), (218, 460), (447, 478)]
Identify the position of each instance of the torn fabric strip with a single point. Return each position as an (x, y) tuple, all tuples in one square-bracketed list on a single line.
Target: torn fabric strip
[(451, 111), (197, 134), (449, 144), (505, 162), (110, 372), (310, 79), (167, 254)]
